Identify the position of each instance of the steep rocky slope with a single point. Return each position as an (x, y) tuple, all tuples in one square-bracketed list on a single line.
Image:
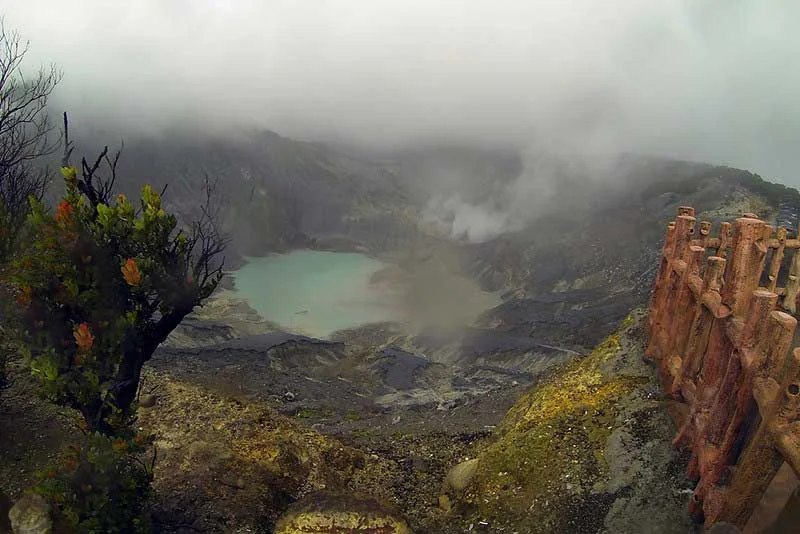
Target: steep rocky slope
[(251, 418), (575, 256), (586, 450), (571, 275)]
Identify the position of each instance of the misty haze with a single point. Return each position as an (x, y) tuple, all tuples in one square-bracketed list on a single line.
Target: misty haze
[(399, 267)]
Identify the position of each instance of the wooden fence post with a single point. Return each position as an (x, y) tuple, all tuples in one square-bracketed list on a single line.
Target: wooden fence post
[(683, 312), (720, 346), (747, 262), (710, 310), (659, 290), (779, 405), (793, 284), (681, 236)]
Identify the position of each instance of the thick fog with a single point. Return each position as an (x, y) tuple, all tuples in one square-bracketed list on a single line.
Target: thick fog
[(712, 80)]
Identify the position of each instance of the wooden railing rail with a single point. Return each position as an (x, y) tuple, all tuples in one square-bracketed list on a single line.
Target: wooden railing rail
[(721, 334)]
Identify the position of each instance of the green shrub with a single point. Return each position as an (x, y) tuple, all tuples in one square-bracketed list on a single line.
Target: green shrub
[(100, 487), (100, 285), (773, 193)]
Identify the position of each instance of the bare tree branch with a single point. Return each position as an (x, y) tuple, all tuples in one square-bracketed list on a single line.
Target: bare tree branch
[(206, 240), (98, 188), (25, 130), (193, 262)]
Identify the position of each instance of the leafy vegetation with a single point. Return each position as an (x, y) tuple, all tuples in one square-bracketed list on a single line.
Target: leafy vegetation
[(98, 286), (775, 194), (24, 138), (87, 293), (102, 487), (101, 285)]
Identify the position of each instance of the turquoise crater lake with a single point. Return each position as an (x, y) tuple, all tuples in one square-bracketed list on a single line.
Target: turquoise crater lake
[(315, 292)]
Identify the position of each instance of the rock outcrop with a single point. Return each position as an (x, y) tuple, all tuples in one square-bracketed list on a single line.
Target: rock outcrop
[(225, 464), (459, 478), (586, 450), (31, 515), (326, 513)]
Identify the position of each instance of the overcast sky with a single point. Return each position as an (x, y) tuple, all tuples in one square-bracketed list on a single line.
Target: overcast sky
[(714, 80)]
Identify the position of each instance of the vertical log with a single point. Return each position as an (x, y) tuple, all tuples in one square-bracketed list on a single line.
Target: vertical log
[(708, 386), (754, 472), (684, 312), (697, 346), (771, 340), (721, 346), (778, 339), (788, 443), (779, 405), (757, 318), (677, 243), (734, 391), (725, 239), (661, 275), (715, 362), (747, 263), (684, 229), (793, 285), (727, 429), (659, 289), (777, 259), (705, 231)]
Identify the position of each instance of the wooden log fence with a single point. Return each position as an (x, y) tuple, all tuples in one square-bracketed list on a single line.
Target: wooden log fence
[(721, 335)]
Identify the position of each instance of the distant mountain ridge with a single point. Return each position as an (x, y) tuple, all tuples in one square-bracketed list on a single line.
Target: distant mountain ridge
[(579, 260)]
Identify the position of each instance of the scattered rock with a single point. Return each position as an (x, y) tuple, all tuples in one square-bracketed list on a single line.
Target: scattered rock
[(289, 396), (324, 513), (31, 515), (147, 401), (444, 503), (419, 463), (459, 477)]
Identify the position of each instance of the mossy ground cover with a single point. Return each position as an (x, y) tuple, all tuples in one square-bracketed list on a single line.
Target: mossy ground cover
[(223, 463), (549, 451)]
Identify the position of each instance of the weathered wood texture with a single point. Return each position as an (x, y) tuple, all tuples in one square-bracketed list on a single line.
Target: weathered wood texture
[(721, 336)]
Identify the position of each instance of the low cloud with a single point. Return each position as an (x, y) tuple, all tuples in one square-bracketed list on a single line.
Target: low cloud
[(708, 80)]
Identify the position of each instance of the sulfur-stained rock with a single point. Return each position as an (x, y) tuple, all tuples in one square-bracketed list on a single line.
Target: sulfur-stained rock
[(325, 513), (459, 477), (585, 450), (31, 515), (147, 401)]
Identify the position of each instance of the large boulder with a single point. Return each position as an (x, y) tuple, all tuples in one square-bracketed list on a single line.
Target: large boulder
[(31, 515), (325, 513), (460, 476)]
